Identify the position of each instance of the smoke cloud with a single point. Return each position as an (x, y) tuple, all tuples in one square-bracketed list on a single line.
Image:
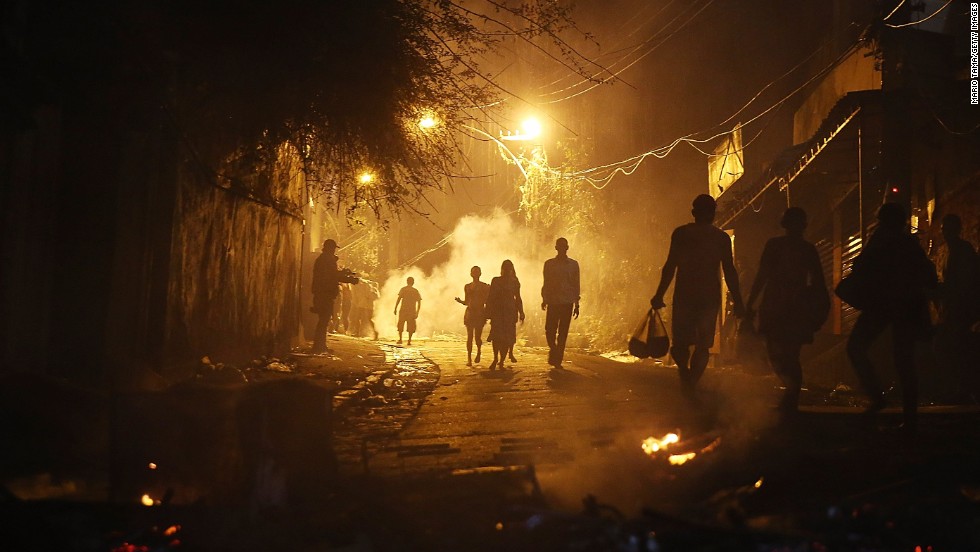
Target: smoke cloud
[(476, 241)]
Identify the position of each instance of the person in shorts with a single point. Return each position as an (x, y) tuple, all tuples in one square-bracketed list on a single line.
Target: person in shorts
[(697, 250), (411, 303), (475, 317)]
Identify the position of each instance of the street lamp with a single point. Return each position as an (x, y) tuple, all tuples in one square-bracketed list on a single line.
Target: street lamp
[(366, 178), (529, 130)]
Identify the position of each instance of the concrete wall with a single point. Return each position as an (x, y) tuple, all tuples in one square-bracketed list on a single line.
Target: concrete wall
[(121, 256), (234, 287)]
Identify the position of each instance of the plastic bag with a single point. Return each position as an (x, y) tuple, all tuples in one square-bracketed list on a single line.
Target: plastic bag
[(638, 342), (856, 289), (650, 338), (658, 342)]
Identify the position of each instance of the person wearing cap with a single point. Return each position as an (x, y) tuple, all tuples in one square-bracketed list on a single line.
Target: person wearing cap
[(697, 250), (326, 287), (560, 298), (789, 267)]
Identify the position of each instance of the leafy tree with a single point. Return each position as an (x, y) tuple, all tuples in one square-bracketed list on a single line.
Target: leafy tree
[(347, 84)]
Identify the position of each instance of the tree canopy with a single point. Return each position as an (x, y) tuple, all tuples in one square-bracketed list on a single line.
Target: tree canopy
[(346, 83)]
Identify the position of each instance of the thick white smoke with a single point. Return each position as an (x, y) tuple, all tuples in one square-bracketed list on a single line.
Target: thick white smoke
[(476, 241)]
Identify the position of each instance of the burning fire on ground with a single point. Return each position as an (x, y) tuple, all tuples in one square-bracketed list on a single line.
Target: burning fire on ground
[(659, 447)]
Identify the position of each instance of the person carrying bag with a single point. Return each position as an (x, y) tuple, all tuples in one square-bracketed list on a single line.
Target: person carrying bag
[(650, 338)]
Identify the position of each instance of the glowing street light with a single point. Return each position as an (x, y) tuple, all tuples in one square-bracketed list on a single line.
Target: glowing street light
[(366, 178), (529, 130), (428, 122)]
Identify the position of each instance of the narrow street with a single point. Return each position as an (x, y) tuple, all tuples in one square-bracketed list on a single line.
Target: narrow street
[(486, 453), (529, 413)]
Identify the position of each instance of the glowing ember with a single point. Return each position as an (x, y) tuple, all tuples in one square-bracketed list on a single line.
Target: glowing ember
[(758, 484), (172, 530), (679, 459), (652, 445), (152, 466), (147, 500)]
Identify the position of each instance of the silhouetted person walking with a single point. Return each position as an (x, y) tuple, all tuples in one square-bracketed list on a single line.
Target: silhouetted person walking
[(789, 266), (475, 317), (363, 313), (505, 307), (959, 271), (346, 305), (326, 287), (560, 298), (895, 274), (411, 302), (696, 251), (959, 307)]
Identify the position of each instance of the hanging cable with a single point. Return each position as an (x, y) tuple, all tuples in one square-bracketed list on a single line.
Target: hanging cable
[(631, 164), (900, 4), (632, 50), (637, 60), (934, 14), (615, 44)]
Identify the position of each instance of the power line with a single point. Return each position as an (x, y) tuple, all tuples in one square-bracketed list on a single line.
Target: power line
[(634, 62), (934, 14), (631, 164), (622, 39), (632, 49), (900, 4)]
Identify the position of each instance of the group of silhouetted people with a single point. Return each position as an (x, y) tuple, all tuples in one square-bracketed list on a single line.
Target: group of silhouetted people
[(895, 280), (500, 302)]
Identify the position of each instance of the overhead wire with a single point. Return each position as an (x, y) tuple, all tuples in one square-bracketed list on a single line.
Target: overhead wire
[(631, 49), (631, 64), (934, 14), (891, 13), (632, 163)]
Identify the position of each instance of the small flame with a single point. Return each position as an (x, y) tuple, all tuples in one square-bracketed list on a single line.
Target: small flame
[(147, 500), (679, 459), (758, 484), (652, 445), (172, 530)]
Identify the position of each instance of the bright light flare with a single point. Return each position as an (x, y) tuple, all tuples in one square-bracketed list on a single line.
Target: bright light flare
[(680, 459), (529, 130), (428, 122), (366, 178), (652, 445)]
